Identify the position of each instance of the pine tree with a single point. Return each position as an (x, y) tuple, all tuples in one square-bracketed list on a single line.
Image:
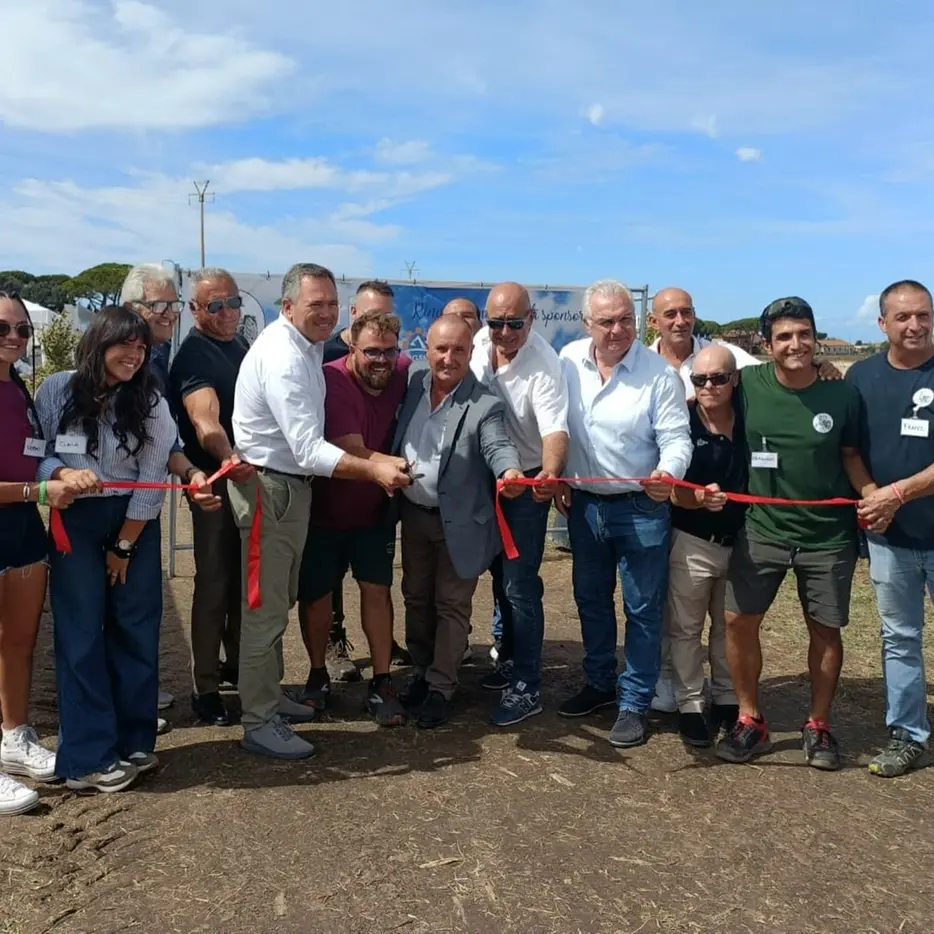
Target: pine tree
[(58, 341)]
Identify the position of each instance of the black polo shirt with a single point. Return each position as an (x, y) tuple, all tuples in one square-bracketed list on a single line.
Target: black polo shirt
[(717, 459), (335, 348)]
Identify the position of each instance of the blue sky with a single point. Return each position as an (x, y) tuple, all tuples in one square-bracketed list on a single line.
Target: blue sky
[(741, 153)]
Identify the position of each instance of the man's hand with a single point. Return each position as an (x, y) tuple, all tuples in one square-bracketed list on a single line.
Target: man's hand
[(877, 510), (392, 474), (563, 499), (201, 495), (239, 472), (714, 498), (81, 481), (59, 494), (511, 489), (546, 485), (658, 489), (116, 568), (827, 371)]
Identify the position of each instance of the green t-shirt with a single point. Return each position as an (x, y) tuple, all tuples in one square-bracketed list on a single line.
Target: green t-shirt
[(806, 429)]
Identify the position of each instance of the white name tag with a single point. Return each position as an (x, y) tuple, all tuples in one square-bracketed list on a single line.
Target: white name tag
[(768, 459), (34, 447), (71, 444), (915, 427)]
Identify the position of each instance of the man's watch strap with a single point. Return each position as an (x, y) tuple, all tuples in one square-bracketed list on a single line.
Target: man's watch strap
[(123, 549)]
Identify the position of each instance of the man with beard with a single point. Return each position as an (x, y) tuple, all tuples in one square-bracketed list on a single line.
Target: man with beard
[(350, 526)]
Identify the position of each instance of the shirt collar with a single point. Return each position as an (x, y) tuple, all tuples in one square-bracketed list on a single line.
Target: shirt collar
[(628, 362), (697, 344)]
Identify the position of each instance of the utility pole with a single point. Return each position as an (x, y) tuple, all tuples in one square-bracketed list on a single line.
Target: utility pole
[(201, 189), (410, 269)]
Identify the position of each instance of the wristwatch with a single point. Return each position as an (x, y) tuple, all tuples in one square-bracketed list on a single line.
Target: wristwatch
[(123, 549)]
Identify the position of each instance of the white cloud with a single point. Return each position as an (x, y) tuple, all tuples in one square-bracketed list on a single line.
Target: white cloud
[(596, 113), (408, 153), (749, 154), (705, 125), (76, 66), (869, 308)]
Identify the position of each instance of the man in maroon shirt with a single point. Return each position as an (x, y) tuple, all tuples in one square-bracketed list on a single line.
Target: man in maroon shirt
[(350, 523)]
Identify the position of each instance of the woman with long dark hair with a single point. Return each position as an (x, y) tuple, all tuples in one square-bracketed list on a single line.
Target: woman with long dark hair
[(106, 422), (23, 562)]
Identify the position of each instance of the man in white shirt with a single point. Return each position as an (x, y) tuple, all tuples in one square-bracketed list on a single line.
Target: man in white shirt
[(520, 367), (278, 424), (627, 417)]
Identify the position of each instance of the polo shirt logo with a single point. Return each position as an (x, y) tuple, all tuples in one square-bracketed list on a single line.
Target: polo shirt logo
[(823, 423)]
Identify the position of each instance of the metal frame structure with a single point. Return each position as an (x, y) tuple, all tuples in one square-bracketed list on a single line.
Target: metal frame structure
[(641, 300)]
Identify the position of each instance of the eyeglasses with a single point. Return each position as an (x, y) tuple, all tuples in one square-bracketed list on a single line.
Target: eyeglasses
[(716, 379), (233, 302), (23, 331), (514, 324), (163, 308), (374, 353)]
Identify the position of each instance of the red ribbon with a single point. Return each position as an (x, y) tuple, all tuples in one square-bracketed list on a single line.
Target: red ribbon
[(509, 543)]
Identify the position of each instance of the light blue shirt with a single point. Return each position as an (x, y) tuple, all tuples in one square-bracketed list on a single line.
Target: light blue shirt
[(421, 446), (635, 422)]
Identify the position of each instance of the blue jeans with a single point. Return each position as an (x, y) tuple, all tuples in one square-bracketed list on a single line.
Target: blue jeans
[(518, 590), (106, 640), (629, 536), (496, 624), (899, 578)]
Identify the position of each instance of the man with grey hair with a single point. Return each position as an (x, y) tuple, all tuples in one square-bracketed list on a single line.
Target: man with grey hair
[(278, 427), (627, 417)]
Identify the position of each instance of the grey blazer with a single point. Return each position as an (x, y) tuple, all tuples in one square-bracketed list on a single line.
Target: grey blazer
[(474, 451)]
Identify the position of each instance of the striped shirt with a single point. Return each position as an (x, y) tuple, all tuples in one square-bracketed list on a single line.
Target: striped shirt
[(110, 461)]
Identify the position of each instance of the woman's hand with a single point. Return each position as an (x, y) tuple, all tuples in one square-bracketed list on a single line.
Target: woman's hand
[(116, 568), (80, 481), (201, 494)]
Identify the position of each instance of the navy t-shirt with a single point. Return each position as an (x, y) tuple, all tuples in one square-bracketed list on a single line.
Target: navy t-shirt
[(886, 397), (335, 348)]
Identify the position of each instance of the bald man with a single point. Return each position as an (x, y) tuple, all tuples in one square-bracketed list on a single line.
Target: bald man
[(449, 532), (520, 367), (467, 310), (704, 527)]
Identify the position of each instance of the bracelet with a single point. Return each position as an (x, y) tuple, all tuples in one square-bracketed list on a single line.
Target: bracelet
[(898, 493), (43, 490), (27, 492)]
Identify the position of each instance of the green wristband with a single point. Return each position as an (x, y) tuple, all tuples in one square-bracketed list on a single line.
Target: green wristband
[(43, 488)]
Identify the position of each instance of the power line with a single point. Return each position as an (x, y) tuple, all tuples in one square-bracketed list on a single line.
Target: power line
[(201, 189), (410, 269)]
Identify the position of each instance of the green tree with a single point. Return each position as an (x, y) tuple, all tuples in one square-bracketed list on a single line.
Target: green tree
[(97, 286), (47, 291), (58, 341)]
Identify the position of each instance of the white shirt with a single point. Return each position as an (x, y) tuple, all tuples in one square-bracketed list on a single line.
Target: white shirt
[(634, 423), (699, 343), (532, 388), (278, 415)]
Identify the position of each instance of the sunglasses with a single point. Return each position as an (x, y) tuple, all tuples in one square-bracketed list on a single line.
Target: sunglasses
[(373, 353), (716, 379), (514, 324), (233, 302), (163, 308), (23, 331)]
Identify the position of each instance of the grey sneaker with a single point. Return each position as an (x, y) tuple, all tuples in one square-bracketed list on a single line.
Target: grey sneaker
[(276, 739), (144, 761), (162, 726), (629, 729), (293, 711), (115, 778), (902, 755), (165, 699)]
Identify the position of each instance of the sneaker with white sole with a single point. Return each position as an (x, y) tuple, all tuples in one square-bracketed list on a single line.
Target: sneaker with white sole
[(15, 798), (162, 726), (21, 754), (118, 776), (294, 711), (517, 704), (165, 699), (664, 700), (143, 761), (276, 739)]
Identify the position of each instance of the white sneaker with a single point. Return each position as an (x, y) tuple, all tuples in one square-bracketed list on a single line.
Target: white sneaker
[(162, 726), (664, 700), (21, 754), (165, 699), (15, 798), (115, 778)]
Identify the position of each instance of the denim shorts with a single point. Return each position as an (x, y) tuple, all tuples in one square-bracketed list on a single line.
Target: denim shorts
[(23, 539)]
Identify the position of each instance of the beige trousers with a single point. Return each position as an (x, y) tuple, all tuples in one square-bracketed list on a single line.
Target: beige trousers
[(696, 586)]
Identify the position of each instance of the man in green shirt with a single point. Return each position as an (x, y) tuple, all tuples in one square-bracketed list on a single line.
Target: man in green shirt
[(803, 438)]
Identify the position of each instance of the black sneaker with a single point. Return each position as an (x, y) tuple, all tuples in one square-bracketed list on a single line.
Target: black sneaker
[(587, 700), (384, 704), (339, 664), (748, 738), (415, 693), (210, 709), (901, 755), (820, 748), (630, 729), (317, 689), (399, 657), (499, 679), (694, 730), (434, 712), (723, 717)]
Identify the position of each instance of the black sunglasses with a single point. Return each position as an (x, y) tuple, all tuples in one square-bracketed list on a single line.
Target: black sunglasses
[(373, 353), (514, 324), (233, 302), (717, 379), (23, 331)]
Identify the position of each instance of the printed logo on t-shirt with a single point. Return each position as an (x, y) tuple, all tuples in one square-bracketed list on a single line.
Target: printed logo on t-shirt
[(823, 422)]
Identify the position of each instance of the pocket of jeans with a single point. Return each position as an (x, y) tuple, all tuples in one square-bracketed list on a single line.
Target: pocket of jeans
[(643, 503)]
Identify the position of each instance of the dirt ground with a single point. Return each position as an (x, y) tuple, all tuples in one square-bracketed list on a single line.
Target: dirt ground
[(541, 829)]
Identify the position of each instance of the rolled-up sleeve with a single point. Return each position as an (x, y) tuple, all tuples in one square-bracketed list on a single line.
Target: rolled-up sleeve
[(153, 459), (498, 450), (49, 404), (301, 422), (672, 425), (550, 402)]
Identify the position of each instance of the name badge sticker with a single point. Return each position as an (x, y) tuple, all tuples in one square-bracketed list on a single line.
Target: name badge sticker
[(915, 428), (766, 459), (34, 447), (71, 444)]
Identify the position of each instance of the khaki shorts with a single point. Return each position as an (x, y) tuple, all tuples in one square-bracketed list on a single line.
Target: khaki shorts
[(758, 567)]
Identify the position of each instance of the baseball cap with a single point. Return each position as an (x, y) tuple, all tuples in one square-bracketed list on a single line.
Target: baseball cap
[(791, 307)]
